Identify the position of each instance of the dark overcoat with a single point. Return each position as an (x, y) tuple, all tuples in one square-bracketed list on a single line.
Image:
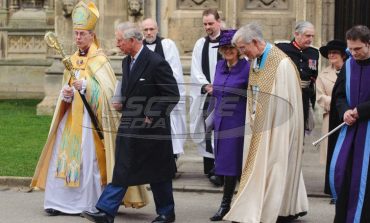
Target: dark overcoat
[(144, 152)]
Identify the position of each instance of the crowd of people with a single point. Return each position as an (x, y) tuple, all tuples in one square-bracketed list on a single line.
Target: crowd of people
[(252, 105)]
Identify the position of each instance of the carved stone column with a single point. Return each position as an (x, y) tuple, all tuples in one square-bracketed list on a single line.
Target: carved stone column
[(53, 74), (301, 10), (328, 17), (231, 13), (318, 23), (150, 8), (3, 4), (49, 11), (14, 4), (3, 12), (164, 17)]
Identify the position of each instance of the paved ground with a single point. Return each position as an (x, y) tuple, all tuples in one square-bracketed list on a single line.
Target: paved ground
[(196, 198), (190, 177), (21, 207)]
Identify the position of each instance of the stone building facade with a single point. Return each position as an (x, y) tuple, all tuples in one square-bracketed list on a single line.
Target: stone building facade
[(29, 70)]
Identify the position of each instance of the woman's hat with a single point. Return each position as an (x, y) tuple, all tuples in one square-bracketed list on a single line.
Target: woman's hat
[(225, 37), (333, 45)]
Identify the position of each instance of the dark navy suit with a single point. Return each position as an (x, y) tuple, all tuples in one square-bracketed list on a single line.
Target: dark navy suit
[(144, 155)]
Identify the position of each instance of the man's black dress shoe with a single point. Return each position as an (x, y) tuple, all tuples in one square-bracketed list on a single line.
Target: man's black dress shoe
[(53, 212), (98, 217), (164, 219)]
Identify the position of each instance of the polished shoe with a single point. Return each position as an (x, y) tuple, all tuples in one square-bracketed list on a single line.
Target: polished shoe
[(98, 217), (332, 201), (290, 218), (164, 219), (285, 219), (53, 212), (222, 211)]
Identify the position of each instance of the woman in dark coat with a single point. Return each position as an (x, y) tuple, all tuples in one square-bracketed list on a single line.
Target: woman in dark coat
[(229, 88)]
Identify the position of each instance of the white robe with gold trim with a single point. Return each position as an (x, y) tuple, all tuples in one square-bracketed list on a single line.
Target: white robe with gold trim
[(273, 183), (93, 177)]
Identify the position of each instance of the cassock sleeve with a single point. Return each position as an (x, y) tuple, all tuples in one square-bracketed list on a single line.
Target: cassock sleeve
[(340, 93), (196, 71), (172, 56), (363, 110)]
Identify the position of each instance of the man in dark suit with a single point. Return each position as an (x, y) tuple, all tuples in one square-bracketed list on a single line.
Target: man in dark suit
[(143, 144)]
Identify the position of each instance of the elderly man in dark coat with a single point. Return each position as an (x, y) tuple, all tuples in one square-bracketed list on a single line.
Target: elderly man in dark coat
[(144, 149)]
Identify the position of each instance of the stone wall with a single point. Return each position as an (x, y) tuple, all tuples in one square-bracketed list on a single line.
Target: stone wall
[(182, 19), (22, 79), (278, 18), (22, 48), (24, 55)]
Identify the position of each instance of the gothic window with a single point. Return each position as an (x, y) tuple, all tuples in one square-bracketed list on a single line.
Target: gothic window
[(17, 4), (32, 3)]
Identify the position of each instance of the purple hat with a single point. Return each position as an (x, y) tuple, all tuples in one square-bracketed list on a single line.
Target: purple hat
[(225, 37)]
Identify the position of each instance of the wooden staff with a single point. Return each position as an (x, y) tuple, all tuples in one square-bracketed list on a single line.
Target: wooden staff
[(328, 134)]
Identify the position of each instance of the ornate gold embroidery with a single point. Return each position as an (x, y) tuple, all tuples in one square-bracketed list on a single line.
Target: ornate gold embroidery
[(264, 80)]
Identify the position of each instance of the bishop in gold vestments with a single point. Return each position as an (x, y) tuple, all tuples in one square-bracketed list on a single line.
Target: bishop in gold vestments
[(76, 163)]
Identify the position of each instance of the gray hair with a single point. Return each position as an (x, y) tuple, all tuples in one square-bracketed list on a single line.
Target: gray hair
[(151, 20), (247, 33), (301, 26), (130, 30)]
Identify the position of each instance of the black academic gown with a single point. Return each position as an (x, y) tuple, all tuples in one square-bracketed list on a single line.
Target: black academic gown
[(334, 120)]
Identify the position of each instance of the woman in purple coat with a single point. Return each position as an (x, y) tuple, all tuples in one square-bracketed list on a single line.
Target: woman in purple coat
[(229, 89)]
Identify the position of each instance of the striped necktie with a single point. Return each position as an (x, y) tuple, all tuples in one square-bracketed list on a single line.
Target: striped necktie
[(132, 63)]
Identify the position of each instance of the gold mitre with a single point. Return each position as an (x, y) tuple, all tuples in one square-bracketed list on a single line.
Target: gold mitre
[(85, 15)]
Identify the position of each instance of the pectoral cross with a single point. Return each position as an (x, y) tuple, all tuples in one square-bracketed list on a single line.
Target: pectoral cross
[(255, 94)]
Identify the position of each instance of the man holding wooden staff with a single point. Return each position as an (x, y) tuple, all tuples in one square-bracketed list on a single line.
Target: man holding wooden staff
[(349, 168), (78, 156)]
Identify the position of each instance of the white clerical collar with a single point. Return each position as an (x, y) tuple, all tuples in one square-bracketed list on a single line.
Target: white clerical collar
[(212, 39)]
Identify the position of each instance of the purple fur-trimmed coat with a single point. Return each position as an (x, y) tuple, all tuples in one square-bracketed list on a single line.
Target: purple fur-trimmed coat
[(229, 90)]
